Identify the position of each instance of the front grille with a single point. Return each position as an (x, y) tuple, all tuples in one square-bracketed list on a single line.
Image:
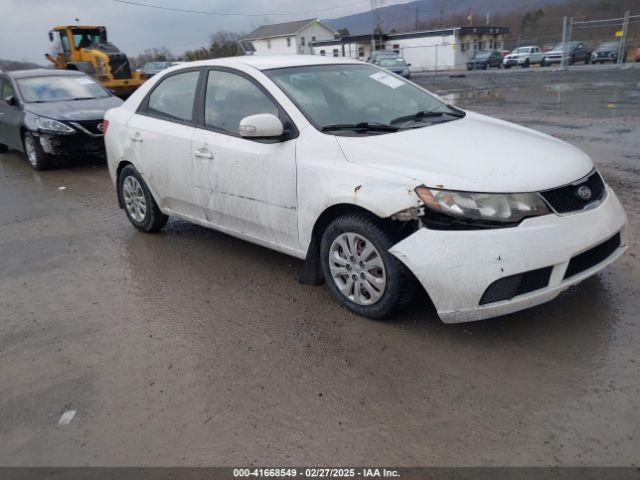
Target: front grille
[(508, 287), (592, 257), (567, 199), (120, 68), (91, 126)]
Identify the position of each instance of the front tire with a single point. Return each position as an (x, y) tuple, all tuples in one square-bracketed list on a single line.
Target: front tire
[(37, 157), (526, 63), (359, 270), (139, 205)]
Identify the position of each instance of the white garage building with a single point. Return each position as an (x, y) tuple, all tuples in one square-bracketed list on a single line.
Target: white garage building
[(444, 49), (286, 38)]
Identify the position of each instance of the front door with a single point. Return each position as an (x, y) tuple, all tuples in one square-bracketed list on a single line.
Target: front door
[(250, 184), (10, 116)]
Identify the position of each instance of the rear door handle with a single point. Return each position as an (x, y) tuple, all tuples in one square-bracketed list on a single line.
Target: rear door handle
[(137, 138), (203, 154)]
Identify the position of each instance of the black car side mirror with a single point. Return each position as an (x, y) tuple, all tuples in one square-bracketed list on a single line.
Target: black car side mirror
[(11, 100)]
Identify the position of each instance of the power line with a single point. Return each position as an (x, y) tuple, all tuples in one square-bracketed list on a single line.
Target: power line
[(204, 12)]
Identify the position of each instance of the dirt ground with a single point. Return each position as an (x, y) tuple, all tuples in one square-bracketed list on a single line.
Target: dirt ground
[(190, 347)]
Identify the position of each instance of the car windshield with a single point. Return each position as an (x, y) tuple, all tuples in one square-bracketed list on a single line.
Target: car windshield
[(359, 95), (59, 88), (392, 62), (608, 45), (522, 50), (482, 55)]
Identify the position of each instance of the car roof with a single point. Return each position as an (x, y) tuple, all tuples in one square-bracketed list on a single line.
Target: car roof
[(266, 62), (42, 72)]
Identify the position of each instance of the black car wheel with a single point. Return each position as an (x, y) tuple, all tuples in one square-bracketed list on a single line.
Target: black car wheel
[(3, 148), (526, 63), (141, 208), (37, 157)]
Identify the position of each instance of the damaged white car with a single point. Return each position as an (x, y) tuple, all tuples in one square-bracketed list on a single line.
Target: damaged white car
[(372, 180)]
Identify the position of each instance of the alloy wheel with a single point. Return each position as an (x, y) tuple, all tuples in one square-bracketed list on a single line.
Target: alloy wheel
[(357, 268), (134, 199)]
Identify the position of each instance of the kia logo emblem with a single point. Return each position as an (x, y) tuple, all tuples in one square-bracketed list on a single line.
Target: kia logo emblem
[(100, 127), (584, 193)]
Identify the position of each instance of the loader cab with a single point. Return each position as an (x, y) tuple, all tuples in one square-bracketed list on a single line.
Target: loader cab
[(68, 40)]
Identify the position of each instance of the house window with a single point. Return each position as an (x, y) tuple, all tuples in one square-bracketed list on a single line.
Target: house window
[(269, 44), (360, 52), (491, 44), (323, 53), (313, 39), (288, 41), (396, 48), (335, 52), (303, 41), (475, 44)]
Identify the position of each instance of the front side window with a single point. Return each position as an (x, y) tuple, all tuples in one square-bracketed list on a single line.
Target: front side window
[(231, 97), (173, 97), (6, 90), (331, 95), (60, 88)]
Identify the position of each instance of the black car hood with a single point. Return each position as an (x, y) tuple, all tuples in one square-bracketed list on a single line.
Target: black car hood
[(74, 110)]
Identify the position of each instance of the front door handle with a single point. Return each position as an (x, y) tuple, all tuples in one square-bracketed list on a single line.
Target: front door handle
[(203, 154), (137, 138)]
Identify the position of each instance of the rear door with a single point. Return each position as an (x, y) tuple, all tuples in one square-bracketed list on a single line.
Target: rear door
[(10, 116), (159, 137), (246, 185)]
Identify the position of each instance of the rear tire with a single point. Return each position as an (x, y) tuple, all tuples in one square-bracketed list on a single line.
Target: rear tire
[(359, 270), (37, 157), (139, 205)]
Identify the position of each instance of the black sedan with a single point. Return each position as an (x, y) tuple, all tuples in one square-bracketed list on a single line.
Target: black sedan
[(606, 52), (52, 113), (484, 60)]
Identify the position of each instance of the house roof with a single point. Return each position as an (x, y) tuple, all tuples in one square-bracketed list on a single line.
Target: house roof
[(281, 29)]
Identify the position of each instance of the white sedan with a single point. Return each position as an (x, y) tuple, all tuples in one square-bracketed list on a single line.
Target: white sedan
[(370, 179)]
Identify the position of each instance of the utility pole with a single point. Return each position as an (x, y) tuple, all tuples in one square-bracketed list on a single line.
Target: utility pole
[(417, 14), (488, 19), (565, 39)]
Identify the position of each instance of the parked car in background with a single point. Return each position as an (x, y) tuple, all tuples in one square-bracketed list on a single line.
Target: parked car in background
[(369, 178), (606, 52), (152, 68), (379, 54), (638, 55), (523, 57), (575, 52), (396, 65), (52, 113), (484, 60)]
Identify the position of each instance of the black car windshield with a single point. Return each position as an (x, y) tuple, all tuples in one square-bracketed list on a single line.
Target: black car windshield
[(392, 62), (607, 45), (59, 88), (357, 95), (482, 55)]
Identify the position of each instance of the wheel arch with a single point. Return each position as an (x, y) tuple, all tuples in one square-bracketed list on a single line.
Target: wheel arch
[(121, 165)]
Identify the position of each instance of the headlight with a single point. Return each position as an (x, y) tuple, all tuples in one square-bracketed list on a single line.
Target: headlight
[(52, 126), (483, 207)]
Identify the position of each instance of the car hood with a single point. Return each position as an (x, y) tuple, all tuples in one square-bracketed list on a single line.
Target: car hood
[(476, 153), (76, 110)]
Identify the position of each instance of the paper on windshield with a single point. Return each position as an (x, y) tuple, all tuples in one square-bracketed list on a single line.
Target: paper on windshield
[(84, 81), (387, 80)]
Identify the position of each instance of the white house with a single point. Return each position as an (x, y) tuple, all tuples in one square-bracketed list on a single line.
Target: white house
[(283, 38), (443, 49)]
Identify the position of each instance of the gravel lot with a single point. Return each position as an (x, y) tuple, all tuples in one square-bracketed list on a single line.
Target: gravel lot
[(193, 348)]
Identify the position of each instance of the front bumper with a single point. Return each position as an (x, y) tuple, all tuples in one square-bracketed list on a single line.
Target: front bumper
[(457, 267), (74, 145)]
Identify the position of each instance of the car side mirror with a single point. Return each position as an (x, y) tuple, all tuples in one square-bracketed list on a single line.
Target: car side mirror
[(262, 125), (11, 100), (408, 64)]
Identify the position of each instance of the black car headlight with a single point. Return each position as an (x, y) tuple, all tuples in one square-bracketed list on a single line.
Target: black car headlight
[(48, 125), (494, 208)]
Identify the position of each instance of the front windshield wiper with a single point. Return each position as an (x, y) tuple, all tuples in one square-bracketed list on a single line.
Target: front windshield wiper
[(426, 114), (364, 126), (83, 98)]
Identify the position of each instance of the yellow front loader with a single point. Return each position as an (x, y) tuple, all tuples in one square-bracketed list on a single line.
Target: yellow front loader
[(87, 49)]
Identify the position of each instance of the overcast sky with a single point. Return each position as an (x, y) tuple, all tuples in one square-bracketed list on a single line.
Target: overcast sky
[(24, 23)]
